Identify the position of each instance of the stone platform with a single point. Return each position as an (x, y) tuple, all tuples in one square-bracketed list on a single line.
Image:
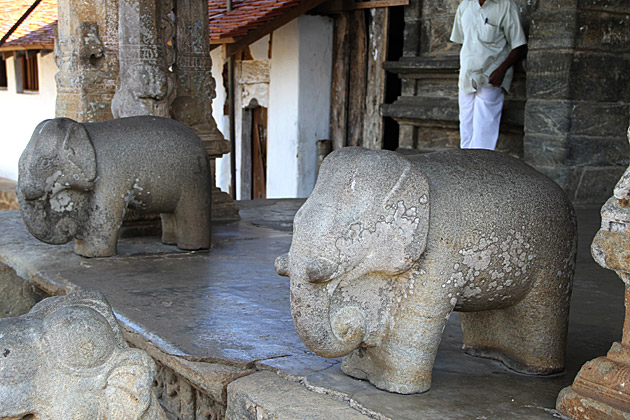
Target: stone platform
[(218, 325)]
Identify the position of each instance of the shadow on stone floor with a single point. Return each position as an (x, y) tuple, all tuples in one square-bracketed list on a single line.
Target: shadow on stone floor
[(215, 318)]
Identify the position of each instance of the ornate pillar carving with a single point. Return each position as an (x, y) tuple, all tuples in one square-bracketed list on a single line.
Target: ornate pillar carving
[(196, 89), (86, 53), (601, 389), (157, 52), (146, 85), (195, 84)]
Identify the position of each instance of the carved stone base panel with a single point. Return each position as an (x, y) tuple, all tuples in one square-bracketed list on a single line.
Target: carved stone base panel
[(223, 207), (181, 400), (601, 389)]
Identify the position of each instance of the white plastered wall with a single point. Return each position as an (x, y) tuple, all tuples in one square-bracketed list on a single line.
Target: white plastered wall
[(21, 112), (298, 110), (316, 36), (299, 104)]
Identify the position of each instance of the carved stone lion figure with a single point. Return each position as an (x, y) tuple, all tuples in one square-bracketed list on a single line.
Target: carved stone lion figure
[(67, 359)]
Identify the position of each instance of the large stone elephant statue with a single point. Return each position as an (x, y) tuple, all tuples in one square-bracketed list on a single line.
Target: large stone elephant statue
[(76, 180), (68, 359), (387, 246)]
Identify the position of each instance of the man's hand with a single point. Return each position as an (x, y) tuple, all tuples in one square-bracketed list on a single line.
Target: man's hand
[(497, 76)]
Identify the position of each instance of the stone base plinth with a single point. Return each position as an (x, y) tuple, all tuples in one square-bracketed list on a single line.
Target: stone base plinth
[(223, 207), (601, 389)]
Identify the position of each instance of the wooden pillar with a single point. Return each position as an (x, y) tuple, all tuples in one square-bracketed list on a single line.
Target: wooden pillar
[(358, 77), (339, 82), (375, 84)]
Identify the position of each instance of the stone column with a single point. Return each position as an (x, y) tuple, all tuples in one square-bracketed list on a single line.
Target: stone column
[(601, 389), (86, 52), (578, 88), (146, 84), (196, 89)]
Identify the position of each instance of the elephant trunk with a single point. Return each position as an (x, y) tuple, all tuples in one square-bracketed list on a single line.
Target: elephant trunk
[(326, 331), (31, 191), (54, 228), (327, 334)]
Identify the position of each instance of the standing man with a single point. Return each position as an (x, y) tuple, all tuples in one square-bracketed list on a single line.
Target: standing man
[(492, 41)]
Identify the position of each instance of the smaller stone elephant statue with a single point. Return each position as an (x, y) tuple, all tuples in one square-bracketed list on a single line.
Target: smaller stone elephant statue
[(387, 246), (76, 180), (68, 359)]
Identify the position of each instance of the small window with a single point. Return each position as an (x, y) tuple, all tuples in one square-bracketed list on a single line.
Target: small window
[(30, 77), (3, 74)]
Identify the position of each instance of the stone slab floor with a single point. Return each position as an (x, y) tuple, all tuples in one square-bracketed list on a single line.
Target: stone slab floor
[(219, 326)]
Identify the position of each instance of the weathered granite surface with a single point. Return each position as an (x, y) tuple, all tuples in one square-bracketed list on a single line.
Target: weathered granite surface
[(76, 181), (164, 299), (67, 359), (387, 247)]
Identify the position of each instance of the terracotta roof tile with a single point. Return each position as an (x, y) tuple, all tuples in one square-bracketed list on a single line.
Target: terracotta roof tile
[(245, 15), (36, 29)]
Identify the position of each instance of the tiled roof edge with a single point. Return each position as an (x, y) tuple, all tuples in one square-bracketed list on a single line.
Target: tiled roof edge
[(19, 22)]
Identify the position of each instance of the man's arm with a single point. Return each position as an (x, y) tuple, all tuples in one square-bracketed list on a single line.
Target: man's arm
[(496, 78)]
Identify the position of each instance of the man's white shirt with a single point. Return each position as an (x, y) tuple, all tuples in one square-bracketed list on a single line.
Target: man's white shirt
[(488, 34)]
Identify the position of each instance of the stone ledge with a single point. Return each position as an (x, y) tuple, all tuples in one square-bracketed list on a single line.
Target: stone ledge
[(266, 396), (211, 319)]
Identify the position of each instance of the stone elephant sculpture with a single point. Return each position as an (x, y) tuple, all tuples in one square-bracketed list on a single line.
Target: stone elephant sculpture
[(387, 246), (67, 359), (76, 180)]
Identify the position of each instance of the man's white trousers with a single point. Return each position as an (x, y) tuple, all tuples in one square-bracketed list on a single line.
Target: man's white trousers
[(479, 118)]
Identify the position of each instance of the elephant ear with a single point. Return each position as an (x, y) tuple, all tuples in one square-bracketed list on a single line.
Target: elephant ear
[(409, 202), (78, 155), (128, 391), (386, 216)]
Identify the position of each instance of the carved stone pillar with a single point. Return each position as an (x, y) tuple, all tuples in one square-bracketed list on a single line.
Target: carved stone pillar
[(196, 89), (601, 389), (145, 80), (160, 49), (86, 53)]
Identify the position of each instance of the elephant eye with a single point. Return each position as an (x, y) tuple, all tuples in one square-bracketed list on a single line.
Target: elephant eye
[(46, 162)]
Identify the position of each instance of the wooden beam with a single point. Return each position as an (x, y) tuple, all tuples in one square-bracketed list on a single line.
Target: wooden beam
[(229, 40), (380, 3), (26, 47), (375, 92), (358, 77), (334, 6), (271, 26), (339, 81)]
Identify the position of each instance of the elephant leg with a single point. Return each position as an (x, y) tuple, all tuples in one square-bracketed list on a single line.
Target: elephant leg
[(169, 227), (403, 362), (100, 232), (529, 337), (192, 221)]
